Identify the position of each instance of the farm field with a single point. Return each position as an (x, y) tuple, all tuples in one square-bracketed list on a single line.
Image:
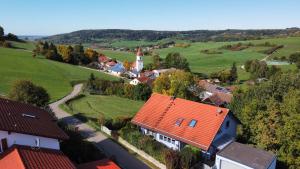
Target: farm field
[(90, 106), (207, 63), (56, 77)]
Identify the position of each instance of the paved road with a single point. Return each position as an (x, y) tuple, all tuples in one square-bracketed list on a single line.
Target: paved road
[(125, 160)]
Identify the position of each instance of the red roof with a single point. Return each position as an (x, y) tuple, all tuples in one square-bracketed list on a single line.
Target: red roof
[(27, 119), (103, 59), (139, 52), (100, 164), (111, 63), (143, 79), (219, 98), (161, 112), (21, 157)]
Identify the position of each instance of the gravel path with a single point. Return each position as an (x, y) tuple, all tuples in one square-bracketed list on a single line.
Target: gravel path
[(110, 148)]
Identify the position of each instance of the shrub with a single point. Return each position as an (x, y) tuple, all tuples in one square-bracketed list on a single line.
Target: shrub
[(145, 143), (189, 156), (101, 119), (172, 159)]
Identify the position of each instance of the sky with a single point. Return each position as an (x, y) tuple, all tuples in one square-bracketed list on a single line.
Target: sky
[(49, 17)]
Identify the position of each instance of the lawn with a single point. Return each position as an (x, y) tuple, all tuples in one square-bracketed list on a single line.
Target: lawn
[(89, 107), (110, 106), (56, 77)]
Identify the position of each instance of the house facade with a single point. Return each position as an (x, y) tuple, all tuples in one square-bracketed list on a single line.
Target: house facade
[(23, 124), (176, 122), (9, 139)]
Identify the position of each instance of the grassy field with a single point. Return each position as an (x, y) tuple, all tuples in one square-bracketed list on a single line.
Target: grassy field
[(110, 106), (56, 77), (207, 63), (89, 107)]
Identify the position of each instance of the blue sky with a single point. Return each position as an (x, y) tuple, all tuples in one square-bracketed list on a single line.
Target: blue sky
[(47, 17)]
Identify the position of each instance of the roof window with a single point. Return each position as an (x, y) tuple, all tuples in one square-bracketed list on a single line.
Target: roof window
[(193, 123), (179, 121), (28, 115)]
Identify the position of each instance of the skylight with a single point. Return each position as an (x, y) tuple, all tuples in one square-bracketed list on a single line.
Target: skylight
[(179, 121), (193, 123), (28, 115)]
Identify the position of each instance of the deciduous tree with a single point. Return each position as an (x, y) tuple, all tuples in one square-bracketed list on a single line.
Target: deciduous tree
[(26, 92), (174, 83)]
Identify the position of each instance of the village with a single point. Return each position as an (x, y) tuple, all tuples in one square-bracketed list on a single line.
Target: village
[(171, 121), (150, 85)]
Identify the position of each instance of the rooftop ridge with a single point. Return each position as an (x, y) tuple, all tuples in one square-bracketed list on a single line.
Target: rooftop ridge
[(165, 111)]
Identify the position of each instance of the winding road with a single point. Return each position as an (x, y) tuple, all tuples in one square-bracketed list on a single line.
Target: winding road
[(102, 142)]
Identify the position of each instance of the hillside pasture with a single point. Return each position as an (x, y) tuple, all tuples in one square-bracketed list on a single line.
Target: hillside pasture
[(56, 77)]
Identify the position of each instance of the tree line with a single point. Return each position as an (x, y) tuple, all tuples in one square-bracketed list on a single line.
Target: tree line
[(109, 35), (172, 60), (270, 115), (9, 37), (260, 69), (76, 54), (118, 88)]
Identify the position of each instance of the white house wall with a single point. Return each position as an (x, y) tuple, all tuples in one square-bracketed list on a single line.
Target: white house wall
[(29, 140), (220, 159), (173, 144)]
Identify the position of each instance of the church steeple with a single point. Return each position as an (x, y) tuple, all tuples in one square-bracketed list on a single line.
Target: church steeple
[(139, 52), (139, 60)]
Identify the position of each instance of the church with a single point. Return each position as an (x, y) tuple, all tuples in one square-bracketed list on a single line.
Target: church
[(138, 65)]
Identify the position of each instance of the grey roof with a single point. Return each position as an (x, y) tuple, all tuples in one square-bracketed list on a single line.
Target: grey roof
[(246, 155)]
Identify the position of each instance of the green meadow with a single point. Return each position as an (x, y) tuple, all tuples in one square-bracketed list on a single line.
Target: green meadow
[(206, 63), (56, 77), (89, 107)]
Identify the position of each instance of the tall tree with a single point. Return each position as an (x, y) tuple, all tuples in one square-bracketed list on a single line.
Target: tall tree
[(27, 92), (174, 83), (175, 60), (233, 73), (127, 65), (1, 32), (66, 53), (156, 61)]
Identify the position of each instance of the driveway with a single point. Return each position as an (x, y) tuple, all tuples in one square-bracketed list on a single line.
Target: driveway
[(110, 148)]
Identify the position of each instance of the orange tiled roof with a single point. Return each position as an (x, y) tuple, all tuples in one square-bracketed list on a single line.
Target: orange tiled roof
[(100, 164), (161, 112), (20, 157)]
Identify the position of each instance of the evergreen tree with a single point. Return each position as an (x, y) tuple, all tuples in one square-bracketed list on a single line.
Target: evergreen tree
[(233, 73), (1, 32)]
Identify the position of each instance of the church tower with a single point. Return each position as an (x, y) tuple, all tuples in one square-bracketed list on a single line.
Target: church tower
[(139, 61)]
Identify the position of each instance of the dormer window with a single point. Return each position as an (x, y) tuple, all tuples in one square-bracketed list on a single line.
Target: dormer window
[(193, 123), (179, 121)]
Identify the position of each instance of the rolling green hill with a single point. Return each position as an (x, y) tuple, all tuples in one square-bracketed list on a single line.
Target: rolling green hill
[(207, 63), (56, 77), (108, 36)]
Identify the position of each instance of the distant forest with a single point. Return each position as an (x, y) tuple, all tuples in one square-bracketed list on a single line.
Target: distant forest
[(108, 35)]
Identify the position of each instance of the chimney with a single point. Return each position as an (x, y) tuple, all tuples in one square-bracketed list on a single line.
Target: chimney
[(219, 110)]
